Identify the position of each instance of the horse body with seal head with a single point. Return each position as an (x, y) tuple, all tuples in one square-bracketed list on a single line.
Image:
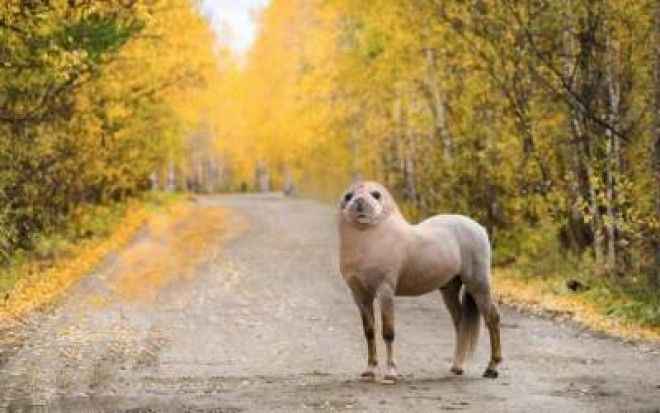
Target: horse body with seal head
[(382, 256)]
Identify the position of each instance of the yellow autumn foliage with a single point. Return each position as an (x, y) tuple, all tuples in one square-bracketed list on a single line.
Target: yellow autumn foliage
[(536, 120)]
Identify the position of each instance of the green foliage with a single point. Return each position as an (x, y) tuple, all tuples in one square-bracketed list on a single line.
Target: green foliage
[(96, 35), (625, 299)]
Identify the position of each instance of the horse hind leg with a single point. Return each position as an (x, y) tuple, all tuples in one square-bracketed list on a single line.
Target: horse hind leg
[(491, 316), (451, 296), (478, 285)]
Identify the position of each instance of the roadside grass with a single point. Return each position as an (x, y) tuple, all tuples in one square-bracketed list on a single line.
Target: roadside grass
[(622, 309), (532, 272), (34, 278)]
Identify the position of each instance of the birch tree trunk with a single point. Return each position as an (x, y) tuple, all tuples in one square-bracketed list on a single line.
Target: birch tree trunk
[(655, 149), (437, 105), (584, 147), (411, 149), (613, 166)]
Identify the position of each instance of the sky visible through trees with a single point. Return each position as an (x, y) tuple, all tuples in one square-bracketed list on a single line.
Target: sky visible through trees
[(235, 20)]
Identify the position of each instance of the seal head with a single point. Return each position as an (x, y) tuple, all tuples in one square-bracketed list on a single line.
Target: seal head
[(366, 204)]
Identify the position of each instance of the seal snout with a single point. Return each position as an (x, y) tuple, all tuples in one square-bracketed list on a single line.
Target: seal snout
[(364, 211), (359, 205)]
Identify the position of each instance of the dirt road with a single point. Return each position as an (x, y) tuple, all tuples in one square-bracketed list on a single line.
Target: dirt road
[(266, 324)]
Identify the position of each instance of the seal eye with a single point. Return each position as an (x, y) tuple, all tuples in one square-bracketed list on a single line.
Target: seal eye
[(376, 195), (348, 197)]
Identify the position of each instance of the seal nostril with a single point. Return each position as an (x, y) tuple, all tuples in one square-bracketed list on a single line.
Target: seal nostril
[(360, 207)]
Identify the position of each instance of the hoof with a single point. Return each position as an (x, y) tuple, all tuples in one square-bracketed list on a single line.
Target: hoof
[(456, 370), (368, 376), (491, 373), (389, 379)]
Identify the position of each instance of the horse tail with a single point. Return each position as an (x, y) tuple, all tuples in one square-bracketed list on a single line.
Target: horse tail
[(468, 328)]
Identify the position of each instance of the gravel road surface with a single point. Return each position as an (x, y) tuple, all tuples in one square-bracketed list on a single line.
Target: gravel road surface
[(265, 323)]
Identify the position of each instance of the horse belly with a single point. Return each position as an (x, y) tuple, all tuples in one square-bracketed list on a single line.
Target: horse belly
[(407, 288), (418, 281)]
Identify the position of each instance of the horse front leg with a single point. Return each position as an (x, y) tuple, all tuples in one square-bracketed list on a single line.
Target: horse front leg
[(365, 303), (366, 306), (386, 300)]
